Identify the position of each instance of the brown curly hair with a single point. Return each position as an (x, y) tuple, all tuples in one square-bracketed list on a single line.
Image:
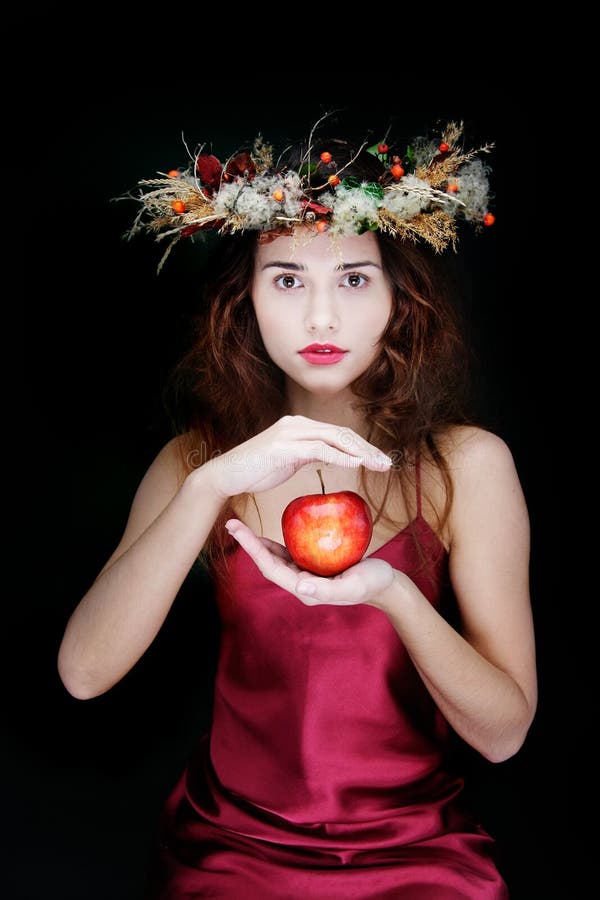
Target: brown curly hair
[(226, 388)]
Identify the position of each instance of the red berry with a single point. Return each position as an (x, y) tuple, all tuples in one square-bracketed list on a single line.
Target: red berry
[(178, 206), (489, 219), (173, 173), (383, 148), (278, 194), (444, 147), (333, 180), (322, 226), (397, 171), (452, 188), (326, 156)]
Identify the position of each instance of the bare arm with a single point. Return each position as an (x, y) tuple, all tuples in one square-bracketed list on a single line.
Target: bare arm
[(122, 612), (484, 679)]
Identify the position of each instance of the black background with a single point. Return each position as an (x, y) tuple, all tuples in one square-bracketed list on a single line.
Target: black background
[(85, 780)]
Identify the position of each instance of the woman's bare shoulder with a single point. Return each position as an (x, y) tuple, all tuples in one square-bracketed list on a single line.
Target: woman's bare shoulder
[(471, 449), (472, 456), (484, 479), (161, 482), (180, 455), (164, 476), (462, 446)]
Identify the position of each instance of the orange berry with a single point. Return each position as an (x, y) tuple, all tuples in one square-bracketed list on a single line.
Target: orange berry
[(489, 219), (452, 188), (333, 180), (444, 147), (322, 226), (173, 173), (178, 206), (397, 171), (326, 156), (278, 194)]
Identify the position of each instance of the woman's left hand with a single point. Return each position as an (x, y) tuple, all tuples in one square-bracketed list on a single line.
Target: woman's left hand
[(364, 582)]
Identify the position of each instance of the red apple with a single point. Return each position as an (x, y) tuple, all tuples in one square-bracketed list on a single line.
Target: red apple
[(327, 533)]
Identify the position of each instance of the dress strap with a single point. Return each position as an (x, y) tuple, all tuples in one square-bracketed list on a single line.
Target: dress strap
[(418, 482)]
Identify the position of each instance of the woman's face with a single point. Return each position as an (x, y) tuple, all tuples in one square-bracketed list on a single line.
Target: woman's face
[(330, 296)]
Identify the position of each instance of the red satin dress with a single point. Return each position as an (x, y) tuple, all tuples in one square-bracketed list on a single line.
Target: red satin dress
[(324, 774)]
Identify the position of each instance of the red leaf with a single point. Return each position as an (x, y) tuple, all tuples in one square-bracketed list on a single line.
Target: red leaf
[(242, 164), (202, 226), (190, 229), (209, 169), (316, 207)]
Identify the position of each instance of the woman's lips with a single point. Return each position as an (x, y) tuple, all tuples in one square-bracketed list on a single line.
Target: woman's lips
[(322, 354)]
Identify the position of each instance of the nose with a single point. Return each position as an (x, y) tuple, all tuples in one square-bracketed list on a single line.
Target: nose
[(321, 313)]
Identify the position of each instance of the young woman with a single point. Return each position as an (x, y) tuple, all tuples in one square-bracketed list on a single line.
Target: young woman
[(325, 342)]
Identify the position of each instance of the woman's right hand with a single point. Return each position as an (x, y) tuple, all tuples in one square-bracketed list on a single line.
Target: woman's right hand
[(271, 457)]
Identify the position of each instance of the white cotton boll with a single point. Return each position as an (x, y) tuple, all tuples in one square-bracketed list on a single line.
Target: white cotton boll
[(423, 151), (291, 205), (254, 203), (353, 209), (226, 198), (253, 207), (473, 189), (242, 199), (408, 198)]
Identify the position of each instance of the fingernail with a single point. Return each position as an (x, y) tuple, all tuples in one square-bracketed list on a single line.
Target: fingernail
[(382, 458), (305, 588)]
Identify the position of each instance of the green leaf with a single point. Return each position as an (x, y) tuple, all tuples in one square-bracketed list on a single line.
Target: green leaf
[(307, 168), (374, 190), (367, 225), (410, 155), (370, 188), (374, 150)]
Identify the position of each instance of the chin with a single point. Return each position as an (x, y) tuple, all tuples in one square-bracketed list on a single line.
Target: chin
[(328, 392), (331, 382)]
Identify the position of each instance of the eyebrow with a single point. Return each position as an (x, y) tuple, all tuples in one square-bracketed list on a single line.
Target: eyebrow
[(298, 267)]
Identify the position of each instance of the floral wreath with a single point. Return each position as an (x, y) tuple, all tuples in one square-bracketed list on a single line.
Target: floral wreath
[(420, 195)]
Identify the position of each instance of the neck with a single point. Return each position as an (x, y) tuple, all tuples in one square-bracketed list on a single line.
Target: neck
[(336, 409)]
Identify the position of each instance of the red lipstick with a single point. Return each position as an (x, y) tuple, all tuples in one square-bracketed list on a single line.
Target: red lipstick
[(322, 354)]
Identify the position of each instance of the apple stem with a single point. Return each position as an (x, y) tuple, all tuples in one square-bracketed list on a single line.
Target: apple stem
[(321, 480)]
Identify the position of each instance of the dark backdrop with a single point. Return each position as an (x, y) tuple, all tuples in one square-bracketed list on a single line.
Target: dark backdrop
[(85, 780)]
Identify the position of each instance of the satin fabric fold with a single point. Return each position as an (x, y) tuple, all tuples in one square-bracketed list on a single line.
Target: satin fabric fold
[(325, 771)]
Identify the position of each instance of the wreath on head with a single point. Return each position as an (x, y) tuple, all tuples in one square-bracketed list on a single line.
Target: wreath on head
[(421, 195)]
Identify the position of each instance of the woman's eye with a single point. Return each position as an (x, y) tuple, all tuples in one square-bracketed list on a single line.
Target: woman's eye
[(355, 280), (287, 281)]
